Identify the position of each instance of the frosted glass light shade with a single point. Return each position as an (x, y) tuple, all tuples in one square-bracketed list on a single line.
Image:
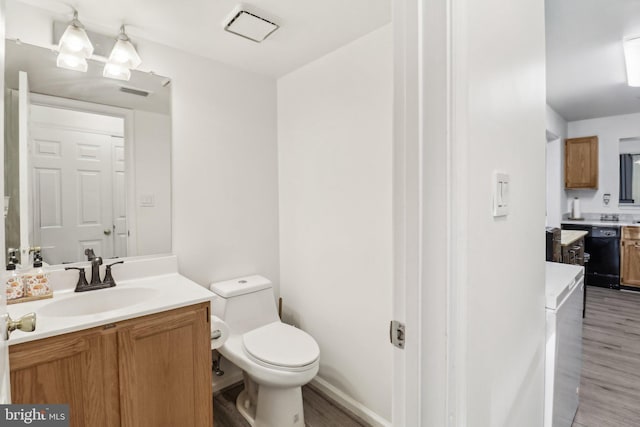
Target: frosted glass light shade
[(72, 61), (125, 54), (116, 71), (632, 60), (75, 40)]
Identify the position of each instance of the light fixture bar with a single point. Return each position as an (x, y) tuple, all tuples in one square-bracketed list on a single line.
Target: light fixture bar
[(632, 60)]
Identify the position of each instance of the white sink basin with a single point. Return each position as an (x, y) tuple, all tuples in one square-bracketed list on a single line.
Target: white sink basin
[(96, 302)]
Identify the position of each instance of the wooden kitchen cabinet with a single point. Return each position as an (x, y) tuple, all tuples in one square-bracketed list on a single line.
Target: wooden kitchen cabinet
[(581, 162), (149, 371), (630, 257)]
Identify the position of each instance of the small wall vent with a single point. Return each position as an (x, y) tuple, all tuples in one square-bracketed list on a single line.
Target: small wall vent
[(132, 91)]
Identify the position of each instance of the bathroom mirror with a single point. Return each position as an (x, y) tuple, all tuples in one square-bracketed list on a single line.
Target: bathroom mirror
[(87, 160), (630, 171)]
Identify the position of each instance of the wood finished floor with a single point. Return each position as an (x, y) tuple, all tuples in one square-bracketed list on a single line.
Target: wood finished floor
[(319, 411), (609, 388), (610, 383)]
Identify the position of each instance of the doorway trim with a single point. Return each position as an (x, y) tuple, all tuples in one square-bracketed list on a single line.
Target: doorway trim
[(430, 212)]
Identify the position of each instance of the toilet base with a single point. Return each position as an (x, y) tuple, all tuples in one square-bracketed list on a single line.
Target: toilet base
[(274, 407)]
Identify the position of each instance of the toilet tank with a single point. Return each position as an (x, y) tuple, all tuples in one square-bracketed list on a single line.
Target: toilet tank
[(244, 303)]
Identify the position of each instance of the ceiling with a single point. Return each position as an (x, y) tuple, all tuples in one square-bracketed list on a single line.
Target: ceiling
[(586, 76), (308, 29)]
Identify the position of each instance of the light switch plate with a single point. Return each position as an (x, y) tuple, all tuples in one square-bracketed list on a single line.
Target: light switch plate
[(500, 194), (147, 200)]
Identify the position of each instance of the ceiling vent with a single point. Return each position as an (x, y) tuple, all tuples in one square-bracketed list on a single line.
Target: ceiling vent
[(133, 91), (248, 25)]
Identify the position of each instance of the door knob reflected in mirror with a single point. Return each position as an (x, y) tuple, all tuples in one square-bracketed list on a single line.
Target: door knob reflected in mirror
[(107, 232), (26, 323)]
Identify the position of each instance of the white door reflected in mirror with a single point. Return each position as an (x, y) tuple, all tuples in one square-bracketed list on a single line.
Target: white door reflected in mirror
[(78, 189)]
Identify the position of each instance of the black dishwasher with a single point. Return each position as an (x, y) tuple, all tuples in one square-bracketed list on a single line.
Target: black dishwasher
[(603, 245)]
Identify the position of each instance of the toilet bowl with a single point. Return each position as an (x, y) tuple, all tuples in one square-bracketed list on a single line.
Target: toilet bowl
[(277, 359)]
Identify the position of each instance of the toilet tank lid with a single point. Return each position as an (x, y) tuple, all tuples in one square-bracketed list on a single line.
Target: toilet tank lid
[(240, 286)]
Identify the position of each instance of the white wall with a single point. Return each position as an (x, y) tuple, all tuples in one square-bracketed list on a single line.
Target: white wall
[(502, 52), (224, 153), (556, 196), (609, 131), (334, 141), (152, 136)]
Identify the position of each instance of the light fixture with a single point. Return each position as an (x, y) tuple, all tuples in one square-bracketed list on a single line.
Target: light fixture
[(122, 59), (632, 59), (75, 41), (115, 71), (72, 62)]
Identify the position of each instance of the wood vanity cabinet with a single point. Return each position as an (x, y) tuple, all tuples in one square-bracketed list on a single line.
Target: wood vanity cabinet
[(152, 371), (581, 162), (630, 257)]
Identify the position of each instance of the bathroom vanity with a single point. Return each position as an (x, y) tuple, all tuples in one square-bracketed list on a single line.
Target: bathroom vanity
[(143, 362)]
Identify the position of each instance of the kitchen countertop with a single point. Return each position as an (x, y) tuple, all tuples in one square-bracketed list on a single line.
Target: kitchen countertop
[(590, 219), (158, 293), (568, 237)]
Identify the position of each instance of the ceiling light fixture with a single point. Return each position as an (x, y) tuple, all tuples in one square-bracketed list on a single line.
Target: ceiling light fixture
[(74, 47), (122, 59), (632, 59)]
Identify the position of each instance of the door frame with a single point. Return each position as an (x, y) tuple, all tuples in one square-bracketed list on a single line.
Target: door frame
[(430, 206), (129, 149)]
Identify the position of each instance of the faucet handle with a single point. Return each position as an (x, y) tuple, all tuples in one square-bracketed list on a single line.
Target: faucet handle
[(108, 278), (82, 279)]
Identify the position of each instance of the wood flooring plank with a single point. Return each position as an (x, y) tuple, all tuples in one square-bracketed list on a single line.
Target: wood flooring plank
[(319, 410), (610, 383)]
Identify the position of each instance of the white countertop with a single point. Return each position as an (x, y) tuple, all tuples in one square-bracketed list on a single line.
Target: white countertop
[(599, 223), (567, 237), (166, 292), (558, 280), (627, 220)]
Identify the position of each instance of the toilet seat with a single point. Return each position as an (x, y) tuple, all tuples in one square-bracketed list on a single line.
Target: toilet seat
[(280, 346)]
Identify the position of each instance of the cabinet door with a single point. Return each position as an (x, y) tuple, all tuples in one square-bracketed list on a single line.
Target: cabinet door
[(78, 369), (165, 370), (581, 162), (630, 263)]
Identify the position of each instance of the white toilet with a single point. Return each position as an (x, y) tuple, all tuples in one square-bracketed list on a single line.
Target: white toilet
[(277, 359)]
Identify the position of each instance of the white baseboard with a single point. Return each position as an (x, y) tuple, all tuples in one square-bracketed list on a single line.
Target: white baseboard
[(350, 404), (226, 380)]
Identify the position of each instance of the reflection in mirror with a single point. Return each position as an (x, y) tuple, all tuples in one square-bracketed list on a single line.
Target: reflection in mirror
[(630, 171), (87, 160)]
